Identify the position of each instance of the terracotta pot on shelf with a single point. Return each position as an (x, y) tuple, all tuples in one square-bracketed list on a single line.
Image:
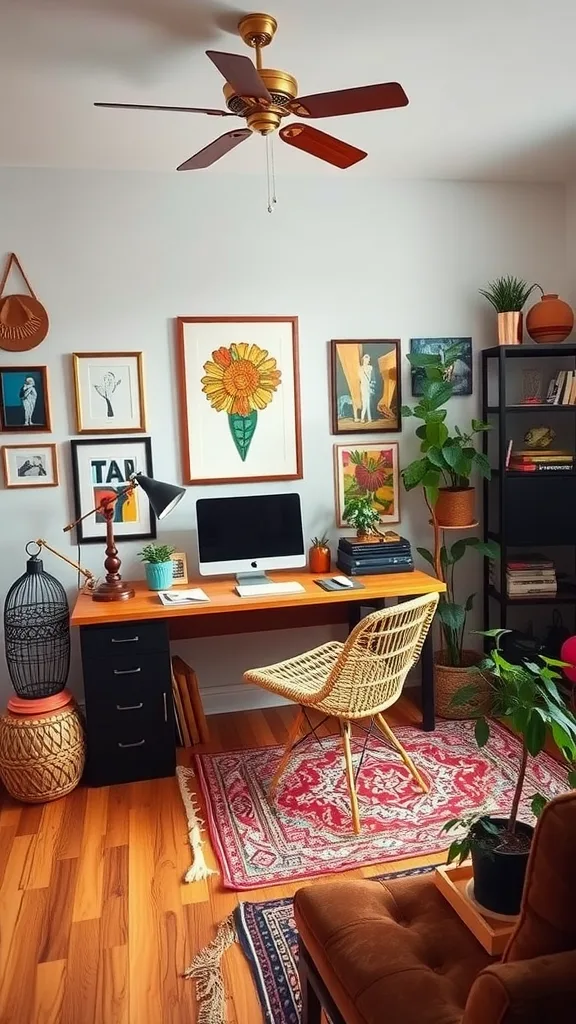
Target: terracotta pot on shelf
[(455, 506), (550, 320), (319, 558), (510, 328)]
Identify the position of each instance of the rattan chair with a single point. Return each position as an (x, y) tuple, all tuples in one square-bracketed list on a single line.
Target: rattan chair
[(355, 680)]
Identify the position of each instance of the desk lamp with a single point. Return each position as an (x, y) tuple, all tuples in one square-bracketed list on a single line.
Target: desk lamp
[(162, 498)]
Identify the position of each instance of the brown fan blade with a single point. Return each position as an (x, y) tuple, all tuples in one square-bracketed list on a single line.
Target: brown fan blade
[(211, 153), (185, 110), (319, 144), (350, 101), (241, 74)]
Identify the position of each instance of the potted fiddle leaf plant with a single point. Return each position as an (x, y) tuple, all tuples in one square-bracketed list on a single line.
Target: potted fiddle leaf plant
[(528, 697), (362, 516), (159, 565), (508, 295)]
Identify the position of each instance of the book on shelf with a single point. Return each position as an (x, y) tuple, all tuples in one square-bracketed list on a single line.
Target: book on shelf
[(562, 388)]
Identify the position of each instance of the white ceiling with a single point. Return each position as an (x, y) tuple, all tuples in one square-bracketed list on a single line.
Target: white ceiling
[(492, 83)]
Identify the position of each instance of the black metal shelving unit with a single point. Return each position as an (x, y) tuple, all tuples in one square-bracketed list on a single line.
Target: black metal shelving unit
[(524, 510)]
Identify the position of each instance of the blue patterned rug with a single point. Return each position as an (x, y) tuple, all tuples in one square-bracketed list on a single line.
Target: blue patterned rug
[(267, 933)]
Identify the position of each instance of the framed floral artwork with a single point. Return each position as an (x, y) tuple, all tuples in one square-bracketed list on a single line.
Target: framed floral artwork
[(102, 468), (24, 401), (368, 470), (30, 465), (109, 392), (365, 386), (239, 399)]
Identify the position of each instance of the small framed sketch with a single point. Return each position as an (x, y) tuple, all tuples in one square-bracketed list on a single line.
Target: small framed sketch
[(368, 470), (24, 401), (180, 567), (30, 465), (101, 469), (109, 392), (460, 373), (365, 392)]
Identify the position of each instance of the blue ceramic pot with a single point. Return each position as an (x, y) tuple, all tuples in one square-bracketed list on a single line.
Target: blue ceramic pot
[(159, 575)]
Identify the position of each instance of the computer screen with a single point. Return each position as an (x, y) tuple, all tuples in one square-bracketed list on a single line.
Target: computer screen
[(251, 533)]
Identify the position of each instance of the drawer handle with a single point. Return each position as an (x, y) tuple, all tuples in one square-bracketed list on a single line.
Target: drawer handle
[(126, 671), (126, 640), (140, 743), (165, 707), (129, 707)]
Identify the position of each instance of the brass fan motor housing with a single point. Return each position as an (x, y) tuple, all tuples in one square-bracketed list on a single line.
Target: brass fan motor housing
[(261, 117), (258, 29)]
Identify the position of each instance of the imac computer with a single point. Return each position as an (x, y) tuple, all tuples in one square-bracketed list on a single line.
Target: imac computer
[(249, 535)]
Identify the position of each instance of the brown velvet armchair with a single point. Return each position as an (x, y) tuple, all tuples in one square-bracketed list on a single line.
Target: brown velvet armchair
[(396, 953)]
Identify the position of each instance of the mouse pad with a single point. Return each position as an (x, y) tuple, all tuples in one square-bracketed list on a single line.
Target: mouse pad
[(329, 585)]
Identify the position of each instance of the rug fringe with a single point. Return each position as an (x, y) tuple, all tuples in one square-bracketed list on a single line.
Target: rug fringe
[(199, 869), (206, 969)]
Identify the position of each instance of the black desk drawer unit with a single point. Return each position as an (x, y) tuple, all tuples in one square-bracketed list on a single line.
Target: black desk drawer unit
[(129, 712)]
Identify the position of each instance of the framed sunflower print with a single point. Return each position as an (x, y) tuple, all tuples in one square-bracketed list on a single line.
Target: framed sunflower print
[(368, 470), (239, 399)]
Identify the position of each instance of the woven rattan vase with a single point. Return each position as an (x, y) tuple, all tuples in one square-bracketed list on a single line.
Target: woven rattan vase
[(42, 756), (448, 680)]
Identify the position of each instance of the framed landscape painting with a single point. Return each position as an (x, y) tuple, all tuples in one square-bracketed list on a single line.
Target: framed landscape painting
[(109, 392), (460, 373), (368, 470), (239, 399), (365, 386), (24, 401), (102, 469), (30, 465)]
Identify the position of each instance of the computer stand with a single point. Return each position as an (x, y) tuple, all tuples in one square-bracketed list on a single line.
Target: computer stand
[(252, 579)]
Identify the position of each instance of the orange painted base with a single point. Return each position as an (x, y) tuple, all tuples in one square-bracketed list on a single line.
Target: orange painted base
[(41, 705)]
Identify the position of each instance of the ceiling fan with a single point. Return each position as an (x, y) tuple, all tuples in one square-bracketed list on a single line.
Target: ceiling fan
[(264, 96)]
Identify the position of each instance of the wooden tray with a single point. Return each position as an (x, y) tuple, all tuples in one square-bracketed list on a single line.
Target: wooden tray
[(492, 931)]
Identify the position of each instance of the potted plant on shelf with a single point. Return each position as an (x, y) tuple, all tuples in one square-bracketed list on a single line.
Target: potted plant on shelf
[(509, 295), (528, 697), (319, 555), (363, 517), (159, 565)]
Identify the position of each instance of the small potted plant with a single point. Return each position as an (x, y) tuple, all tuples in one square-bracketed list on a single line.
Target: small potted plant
[(319, 556), (363, 517), (509, 295), (527, 696), (159, 565)]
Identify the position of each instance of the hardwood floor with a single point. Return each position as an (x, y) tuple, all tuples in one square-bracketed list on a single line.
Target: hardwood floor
[(96, 926)]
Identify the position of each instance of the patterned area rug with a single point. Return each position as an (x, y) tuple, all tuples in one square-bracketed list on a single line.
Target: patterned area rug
[(308, 831), (267, 933)]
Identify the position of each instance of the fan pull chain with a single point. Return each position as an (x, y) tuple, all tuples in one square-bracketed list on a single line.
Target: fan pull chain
[(274, 199), (270, 173)]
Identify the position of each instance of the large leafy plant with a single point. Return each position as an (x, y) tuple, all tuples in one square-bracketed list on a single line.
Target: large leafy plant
[(527, 695)]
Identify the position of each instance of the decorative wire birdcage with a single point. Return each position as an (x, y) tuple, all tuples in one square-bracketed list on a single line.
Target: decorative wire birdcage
[(37, 631)]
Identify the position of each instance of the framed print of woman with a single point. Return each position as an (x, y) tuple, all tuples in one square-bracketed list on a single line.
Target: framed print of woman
[(24, 401), (365, 381)]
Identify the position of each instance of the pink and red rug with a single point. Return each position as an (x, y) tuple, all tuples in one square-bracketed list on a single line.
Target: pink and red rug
[(308, 830)]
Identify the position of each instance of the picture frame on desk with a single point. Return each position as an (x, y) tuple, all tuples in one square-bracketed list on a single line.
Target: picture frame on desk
[(102, 467)]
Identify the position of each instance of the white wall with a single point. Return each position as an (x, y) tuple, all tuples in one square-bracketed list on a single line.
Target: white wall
[(116, 256)]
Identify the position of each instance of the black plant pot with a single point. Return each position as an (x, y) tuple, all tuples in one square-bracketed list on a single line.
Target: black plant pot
[(498, 876)]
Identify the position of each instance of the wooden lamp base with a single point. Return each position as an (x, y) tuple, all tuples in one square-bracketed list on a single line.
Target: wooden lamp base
[(114, 591), (112, 588)]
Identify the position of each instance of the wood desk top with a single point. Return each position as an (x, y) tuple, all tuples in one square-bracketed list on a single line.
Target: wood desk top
[(223, 597)]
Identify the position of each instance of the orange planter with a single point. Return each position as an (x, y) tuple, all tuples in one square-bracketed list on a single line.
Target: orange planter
[(455, 506), (550, 320), (319, 558)]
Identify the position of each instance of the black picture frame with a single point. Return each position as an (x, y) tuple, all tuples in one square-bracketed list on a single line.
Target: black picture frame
[(348, 395), (431, 346), (132, 453)]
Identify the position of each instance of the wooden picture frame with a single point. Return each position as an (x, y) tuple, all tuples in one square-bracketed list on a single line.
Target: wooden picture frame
[(109, 392), (180, 574), (24, 400), (36, 466), (365, 386), (368, 469), (101, 466), (223, 440)]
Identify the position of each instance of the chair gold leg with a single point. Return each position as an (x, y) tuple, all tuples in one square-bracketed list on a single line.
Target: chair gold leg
[(383, 724), (345, 729), (292, 737)]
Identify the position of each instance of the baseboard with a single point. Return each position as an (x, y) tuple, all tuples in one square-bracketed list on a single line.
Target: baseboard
[(217, 700)]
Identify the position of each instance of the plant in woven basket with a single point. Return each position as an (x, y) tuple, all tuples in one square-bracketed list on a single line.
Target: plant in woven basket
[(155, 553), (361, 515), (508, 294)]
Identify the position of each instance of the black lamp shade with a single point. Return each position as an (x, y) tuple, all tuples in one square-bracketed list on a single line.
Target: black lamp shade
[(162, 497)]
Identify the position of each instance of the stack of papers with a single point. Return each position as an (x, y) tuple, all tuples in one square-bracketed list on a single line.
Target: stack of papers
[(171, 598)]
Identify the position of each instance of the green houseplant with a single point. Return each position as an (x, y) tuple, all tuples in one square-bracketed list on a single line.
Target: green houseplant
[(362, 516), (526, 695), (508, 295), (159, 566)]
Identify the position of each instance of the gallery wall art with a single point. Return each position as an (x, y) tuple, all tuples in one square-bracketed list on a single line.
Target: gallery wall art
[(102, 469), (365, 386), (239, 399), (30, 465), (460, 373), (368, 470), (109, 392), (24, 399)]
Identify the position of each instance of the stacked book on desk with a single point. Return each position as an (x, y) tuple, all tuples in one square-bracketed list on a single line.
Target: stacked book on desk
[(369, 557), (529, 576), (541, 460)]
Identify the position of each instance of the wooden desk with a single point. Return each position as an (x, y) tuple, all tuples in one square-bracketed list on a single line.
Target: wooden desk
[(126, 646)]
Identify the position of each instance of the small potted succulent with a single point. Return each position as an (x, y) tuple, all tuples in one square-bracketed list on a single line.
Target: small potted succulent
[(159, 565), (361, 514), (319, 555), (526, 695), (509, 295)]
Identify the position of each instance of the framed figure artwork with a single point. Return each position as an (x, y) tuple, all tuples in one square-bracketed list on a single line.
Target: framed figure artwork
[(365, 386), (30, 465), (239, 399), (102, 468), (459, 373), (368, 470), (24, 400), (109, 392)]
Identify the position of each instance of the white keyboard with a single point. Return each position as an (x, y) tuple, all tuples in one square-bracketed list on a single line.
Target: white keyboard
[(269, 589)]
